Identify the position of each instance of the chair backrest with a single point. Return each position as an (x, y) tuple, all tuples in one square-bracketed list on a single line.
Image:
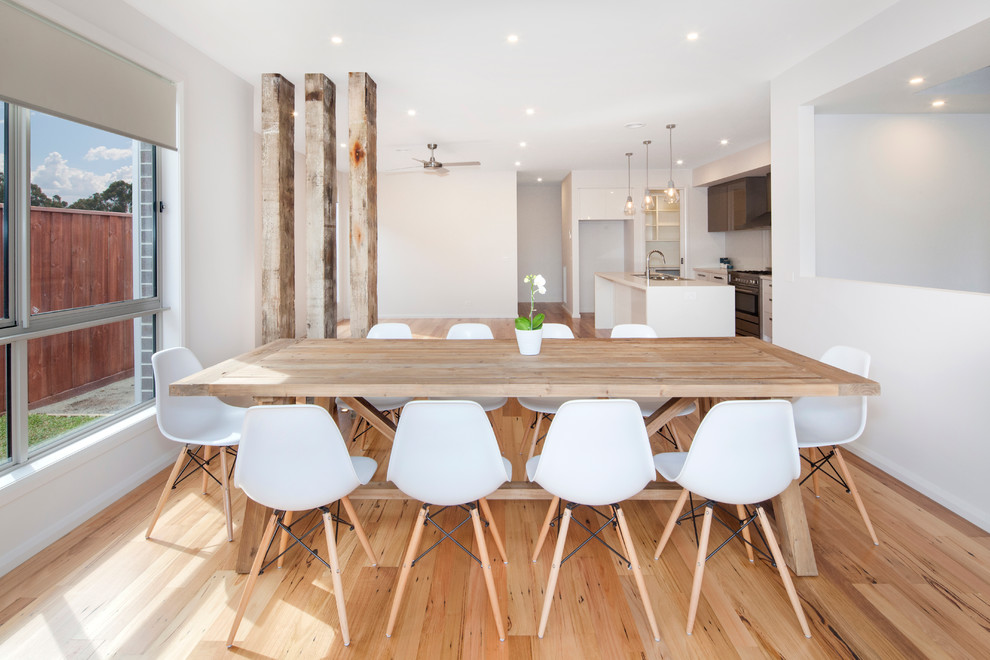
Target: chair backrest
[(557, 331), (184, 418), (744, 452), (390, 331), (470, 331), (445, 453), (633, 331), (596, 452), (293, 458), (836, 419)]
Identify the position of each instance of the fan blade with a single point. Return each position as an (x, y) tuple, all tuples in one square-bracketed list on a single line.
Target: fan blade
[(473, 162), (437, 171), (420, 160)]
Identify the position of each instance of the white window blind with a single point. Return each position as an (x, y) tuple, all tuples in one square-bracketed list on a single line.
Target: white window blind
[(48, 68)]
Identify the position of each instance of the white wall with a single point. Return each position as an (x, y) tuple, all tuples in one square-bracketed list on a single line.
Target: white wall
[(209, 195), (447, 245), (538, 237), (908, 188), (929, 347), (602, 250)]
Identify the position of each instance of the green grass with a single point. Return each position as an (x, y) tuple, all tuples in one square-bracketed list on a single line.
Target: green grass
[(42, 428)]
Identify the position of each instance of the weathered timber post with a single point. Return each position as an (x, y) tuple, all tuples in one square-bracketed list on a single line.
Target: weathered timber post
[(362, 150), (321, 207), (278, 287)]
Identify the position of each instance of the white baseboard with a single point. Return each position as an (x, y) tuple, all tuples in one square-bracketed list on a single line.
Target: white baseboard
[(978, 516)]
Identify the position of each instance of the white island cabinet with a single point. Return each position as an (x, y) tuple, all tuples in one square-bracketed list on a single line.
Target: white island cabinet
[(674, 308)]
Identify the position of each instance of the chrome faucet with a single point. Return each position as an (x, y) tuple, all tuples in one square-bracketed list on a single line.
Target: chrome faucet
[(650, 256)]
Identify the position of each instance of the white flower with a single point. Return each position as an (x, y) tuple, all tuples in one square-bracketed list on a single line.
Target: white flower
[(541, 289), (540, 282)]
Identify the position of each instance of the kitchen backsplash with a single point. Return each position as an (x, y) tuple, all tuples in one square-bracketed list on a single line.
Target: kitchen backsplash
[(748, 250)]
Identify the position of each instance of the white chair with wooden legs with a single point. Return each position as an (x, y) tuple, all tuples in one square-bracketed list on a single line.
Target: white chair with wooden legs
[(445, 454), (596, 454), (293, 458), (544, 407), (471, 331), (194, 422), (650, 406), (744, 453), (824, 423), (385, 404)]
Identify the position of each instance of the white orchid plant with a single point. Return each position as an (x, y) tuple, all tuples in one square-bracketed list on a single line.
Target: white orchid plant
[(537, 284)]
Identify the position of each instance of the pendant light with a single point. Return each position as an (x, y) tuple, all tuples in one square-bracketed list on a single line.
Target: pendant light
[(648, 203), (671, 194), (630, 208)]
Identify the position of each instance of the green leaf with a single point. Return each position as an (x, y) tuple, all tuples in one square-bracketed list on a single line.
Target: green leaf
[(538, 321), (522, 323)]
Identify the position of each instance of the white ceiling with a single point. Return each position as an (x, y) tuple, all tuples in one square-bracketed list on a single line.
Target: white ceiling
[(586, 68)]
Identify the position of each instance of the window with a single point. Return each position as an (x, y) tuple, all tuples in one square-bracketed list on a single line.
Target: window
[(79, 280)]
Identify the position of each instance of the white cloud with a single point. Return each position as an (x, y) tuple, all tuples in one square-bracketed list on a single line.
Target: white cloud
[(107, 153), (56, 177)]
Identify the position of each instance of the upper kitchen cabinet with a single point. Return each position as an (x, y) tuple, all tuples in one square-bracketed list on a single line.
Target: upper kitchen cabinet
[(739, 204), (601, 203)]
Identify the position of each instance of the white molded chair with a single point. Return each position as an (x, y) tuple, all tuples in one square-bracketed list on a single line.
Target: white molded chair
[(476, 331), (293, 458), (830, 421), (650, 406), (745, 452), (385, 404), (445, 454), (193, 421), (596, 453), (544, 407)]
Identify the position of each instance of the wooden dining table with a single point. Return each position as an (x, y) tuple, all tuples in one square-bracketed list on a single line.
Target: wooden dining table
[(684, 370)]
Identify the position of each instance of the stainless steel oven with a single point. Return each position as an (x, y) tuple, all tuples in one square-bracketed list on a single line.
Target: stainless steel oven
[(747, 285)]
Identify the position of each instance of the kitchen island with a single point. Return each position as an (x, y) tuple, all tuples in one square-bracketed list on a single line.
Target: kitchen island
[(673, 307)]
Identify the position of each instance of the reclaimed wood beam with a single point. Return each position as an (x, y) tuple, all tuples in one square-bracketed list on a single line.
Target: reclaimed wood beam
[(321, 207), (362, 151), (278, 289)]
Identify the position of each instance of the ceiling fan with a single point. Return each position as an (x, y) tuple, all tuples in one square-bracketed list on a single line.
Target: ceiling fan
[(433, 166)]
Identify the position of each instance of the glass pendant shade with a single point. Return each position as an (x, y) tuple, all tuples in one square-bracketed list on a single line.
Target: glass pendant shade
[(671, 194), (648, 203), (630, 208)]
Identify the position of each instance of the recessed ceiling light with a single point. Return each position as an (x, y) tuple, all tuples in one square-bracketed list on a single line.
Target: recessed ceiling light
[(692, 36), (539, 179), (518, 163), (343, 145), (635, 124), (522, 144), (680, 162), (512, 38), (411, 112), (725, 142), (336, 40), (938, 104), (530, 111), (916, 81)]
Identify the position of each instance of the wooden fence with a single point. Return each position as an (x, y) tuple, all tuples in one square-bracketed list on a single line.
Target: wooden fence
[(78, 259)]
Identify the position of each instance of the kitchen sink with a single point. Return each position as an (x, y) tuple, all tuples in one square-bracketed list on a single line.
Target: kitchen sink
[(657, 276)]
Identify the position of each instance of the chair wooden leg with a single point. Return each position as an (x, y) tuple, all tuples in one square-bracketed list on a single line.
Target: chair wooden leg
[(546, 527), (406, 565), (855, 493), (283, 542), (207, 454), (259, 559), (785, 575), (536, 436), (669, 527), (486, 567), (814, 475), (355, 427), (225, 486), (558, 554), (362, 537), (485, 509), (678, 438), (741, 514), (338, 584), (699, 568), (637, 572), (168, 489)]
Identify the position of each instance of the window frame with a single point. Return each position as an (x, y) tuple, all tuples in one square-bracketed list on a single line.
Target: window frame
[(21, 326)]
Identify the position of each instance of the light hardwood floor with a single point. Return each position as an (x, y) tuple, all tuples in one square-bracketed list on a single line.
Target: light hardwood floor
[(104, 591)]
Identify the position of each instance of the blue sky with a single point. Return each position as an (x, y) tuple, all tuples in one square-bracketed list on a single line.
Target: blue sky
[(72, 160)]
